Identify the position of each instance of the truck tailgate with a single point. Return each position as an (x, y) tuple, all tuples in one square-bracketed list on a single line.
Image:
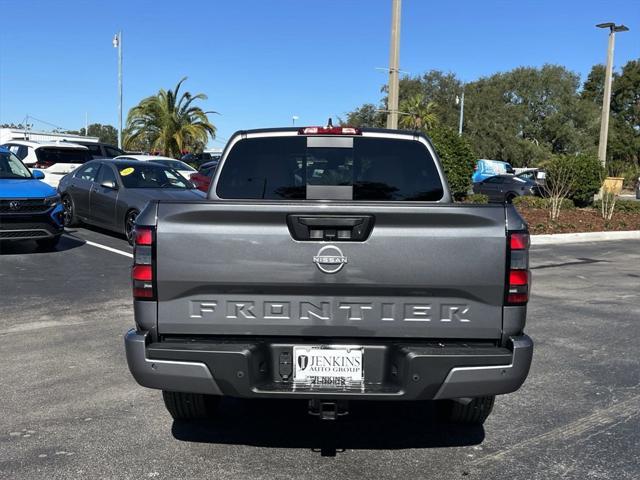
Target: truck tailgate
[(425, 271)]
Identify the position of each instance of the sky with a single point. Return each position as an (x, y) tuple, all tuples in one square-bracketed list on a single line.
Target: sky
[(260, 62)]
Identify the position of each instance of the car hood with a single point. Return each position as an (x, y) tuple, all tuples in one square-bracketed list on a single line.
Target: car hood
[(25, 188), (168, 194)]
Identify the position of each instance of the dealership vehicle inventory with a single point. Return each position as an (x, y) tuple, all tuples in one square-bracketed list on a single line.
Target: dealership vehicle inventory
[(330, 264)]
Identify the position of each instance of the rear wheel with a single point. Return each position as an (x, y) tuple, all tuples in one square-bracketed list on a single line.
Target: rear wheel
[(69, 216), (190, 406), (48, 243), (129, 225), (473, 413), (509, 197)]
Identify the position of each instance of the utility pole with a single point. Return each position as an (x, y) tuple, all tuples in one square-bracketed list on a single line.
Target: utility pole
[(461, 113), (394, 65), (606, 99), (117, 43)]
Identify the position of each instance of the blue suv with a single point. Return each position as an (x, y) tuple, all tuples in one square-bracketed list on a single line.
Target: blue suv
[(29, 209)]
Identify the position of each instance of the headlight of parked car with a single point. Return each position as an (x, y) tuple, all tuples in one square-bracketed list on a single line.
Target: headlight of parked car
[(52, 200)]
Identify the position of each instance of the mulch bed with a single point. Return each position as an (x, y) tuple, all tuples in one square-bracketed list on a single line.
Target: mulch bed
[(578, 220)]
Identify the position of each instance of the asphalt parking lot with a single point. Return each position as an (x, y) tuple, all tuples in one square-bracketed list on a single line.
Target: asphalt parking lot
[(70, 408)]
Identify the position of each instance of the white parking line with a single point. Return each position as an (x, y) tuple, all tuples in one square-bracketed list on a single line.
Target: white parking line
[(109, 249)]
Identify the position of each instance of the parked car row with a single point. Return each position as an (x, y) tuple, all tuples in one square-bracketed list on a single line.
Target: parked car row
[(65, 186)]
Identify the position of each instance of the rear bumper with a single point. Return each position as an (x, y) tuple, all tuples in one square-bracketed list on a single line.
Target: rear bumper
[(393, 370)]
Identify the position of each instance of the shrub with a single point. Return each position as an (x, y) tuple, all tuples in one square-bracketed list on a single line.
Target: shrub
[(477, 198), (588, 174), (457, 158), (627, 206), (584, 173), (537, 202), (631, 176)]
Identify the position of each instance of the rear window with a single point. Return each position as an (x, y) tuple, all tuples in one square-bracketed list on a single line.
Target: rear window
[(146, 175), (367, 168), (62, 155)]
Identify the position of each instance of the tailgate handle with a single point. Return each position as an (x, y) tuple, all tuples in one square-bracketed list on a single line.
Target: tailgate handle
[(342, 228), (330, 222)]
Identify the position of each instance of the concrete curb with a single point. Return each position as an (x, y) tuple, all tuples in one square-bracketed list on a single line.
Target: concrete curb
[(558, 238)]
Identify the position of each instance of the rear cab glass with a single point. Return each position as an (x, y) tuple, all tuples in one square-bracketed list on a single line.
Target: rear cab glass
[(354, 168), (53, 155)]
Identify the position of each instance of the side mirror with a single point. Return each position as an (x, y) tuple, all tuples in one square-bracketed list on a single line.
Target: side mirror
[(37, 174), (110, 184)]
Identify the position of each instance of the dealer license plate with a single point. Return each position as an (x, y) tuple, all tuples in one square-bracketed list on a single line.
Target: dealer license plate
[(327, 366)]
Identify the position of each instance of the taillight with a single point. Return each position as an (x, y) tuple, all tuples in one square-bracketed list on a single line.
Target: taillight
[(329, 131), (143, 270), (518, 276)]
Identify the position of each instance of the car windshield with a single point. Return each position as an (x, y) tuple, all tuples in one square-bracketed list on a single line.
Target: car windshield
[(11, 167), (298, 167), (63, 155), (175, 164), (144, 175)]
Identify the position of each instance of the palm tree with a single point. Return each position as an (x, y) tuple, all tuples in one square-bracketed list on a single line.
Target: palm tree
[(417, 113), (169, 124)]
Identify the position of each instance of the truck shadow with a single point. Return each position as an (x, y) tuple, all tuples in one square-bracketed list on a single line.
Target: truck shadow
[(369, 425)]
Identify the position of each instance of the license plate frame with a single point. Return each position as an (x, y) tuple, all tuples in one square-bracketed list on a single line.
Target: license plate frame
[(328, 365)]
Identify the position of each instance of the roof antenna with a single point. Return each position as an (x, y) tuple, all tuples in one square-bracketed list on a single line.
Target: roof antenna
[(330, 123)]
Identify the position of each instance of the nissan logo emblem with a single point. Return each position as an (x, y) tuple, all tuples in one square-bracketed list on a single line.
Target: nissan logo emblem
[(330, 259)]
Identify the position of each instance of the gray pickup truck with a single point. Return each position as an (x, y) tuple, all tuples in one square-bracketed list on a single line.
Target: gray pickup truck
[(330, 264)]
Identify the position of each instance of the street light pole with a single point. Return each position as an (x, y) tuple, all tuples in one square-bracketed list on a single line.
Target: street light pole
[(117, 43), (606, 100), (394, 61), (461, 113)]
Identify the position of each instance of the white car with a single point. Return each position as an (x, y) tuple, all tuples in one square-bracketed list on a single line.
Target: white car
[(183, 169), (54, 159)]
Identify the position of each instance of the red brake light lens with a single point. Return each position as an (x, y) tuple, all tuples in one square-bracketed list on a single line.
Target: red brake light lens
[(519, 241), (329, 131), (142, 273), (144, 236), (518, 277)]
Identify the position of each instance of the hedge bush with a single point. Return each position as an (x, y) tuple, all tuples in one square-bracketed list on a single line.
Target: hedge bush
[(627, 206), (538, 202), (457, 158), (587, 172), (477, 198)]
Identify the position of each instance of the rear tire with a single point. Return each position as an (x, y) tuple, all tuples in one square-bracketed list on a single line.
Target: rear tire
[(129, 225), (190, 406), (473, 413), (508, 198), (48, 243)]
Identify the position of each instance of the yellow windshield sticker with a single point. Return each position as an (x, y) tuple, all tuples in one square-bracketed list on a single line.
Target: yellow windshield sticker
[(126, 171)]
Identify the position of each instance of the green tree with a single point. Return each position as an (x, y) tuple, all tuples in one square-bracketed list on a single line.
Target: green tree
[(368, 115), (169, 123), (593, 88), (417, 113), (106, 133), (457, 158), (623, 146)]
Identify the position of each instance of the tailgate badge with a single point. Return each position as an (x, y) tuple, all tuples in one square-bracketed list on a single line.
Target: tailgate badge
[(330, 259)]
